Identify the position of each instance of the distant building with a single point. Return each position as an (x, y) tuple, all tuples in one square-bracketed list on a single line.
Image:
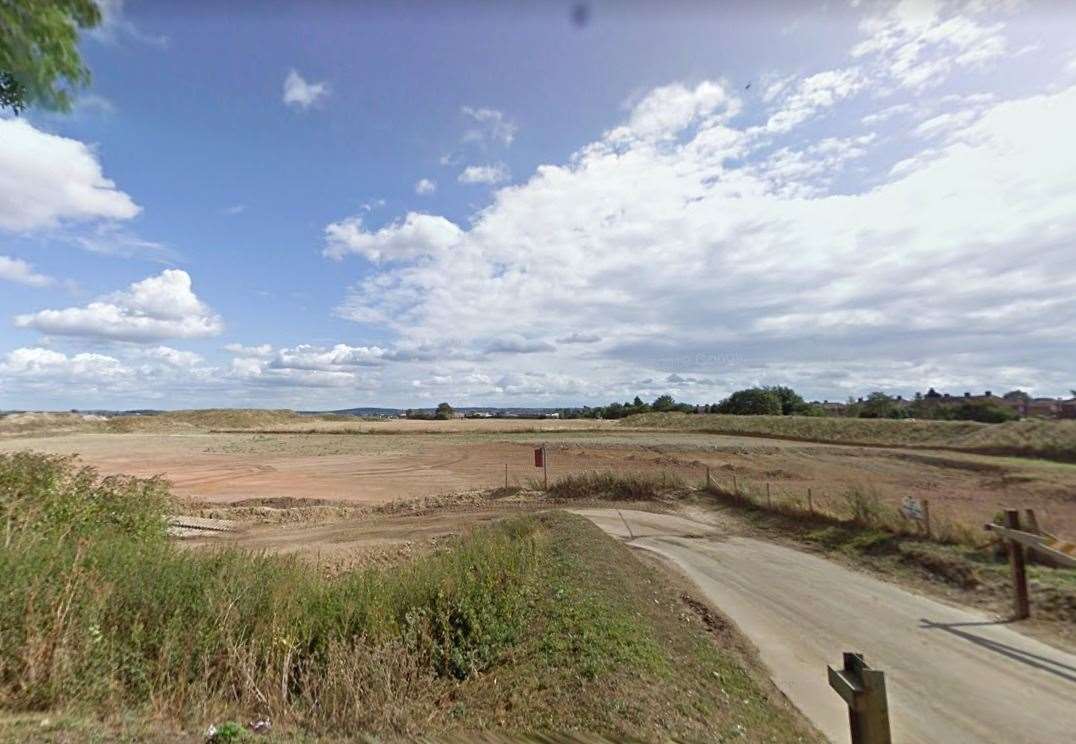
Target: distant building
[(1044, 407)]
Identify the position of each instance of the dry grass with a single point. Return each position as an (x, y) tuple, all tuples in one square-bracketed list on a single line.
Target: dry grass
[(1046, 439), (533, 623)]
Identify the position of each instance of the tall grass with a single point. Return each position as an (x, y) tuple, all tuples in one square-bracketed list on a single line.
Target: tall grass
[(615, 486), (99, 609)]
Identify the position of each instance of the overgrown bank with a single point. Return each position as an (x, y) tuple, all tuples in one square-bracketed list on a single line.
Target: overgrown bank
[(1054, 440), (535, 623)]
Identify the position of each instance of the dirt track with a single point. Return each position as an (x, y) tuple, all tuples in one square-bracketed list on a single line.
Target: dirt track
[(953, 675)]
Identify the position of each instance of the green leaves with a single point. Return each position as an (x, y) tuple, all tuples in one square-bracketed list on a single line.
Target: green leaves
[(39, 60)]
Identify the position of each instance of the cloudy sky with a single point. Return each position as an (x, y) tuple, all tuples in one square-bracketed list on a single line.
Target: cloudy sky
[(325, 205)]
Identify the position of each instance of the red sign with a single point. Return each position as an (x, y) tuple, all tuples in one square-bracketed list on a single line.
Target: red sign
[(538, 458)]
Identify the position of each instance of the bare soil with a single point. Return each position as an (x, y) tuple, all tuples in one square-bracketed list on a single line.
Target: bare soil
[(408, 459)]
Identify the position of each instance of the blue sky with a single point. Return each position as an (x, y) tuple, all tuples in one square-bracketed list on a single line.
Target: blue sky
[(328, 204)]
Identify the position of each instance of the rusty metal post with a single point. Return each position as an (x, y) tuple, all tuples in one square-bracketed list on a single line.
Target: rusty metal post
[(1018, 562), (863, 690)]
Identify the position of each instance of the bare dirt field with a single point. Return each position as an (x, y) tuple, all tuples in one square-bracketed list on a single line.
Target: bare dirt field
[(377, 462)]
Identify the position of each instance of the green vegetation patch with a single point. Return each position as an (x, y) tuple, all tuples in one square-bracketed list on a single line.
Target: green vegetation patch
[(536, 623)]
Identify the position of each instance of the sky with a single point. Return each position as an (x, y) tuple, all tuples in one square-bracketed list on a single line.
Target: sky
[(321, 205)]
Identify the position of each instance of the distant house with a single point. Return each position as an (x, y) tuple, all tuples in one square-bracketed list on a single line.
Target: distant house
[(1068, 409), (1044, 407)]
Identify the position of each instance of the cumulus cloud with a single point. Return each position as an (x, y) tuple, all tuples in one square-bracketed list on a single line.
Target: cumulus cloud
[(300, 94), (490, 174), (18, 271), (415, 236), (155, 308), (425, 186), (45, 178), (716, 252)]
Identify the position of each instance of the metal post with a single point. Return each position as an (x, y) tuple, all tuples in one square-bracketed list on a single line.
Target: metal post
[(1017, 560), (545, 467), (863, 689)]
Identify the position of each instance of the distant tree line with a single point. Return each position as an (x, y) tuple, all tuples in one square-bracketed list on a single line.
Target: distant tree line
[(779, 400)]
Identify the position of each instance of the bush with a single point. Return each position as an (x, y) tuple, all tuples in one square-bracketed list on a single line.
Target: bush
[(616, 486), (98, 608), (752, 402)]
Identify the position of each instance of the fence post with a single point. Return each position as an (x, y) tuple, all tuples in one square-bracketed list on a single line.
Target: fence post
[(926, 516), (707, 477), (545, 468), (863, 689), (506, 476), (769, 502), (735, 487), (810, 503), (1017, 560)]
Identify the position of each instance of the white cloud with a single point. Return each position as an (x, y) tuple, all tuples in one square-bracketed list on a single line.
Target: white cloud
[(44, 366), (918, 43), (158, 307), (813, 94), (665, 112), (425, 186), (492, 126), (18, 271), (262, 350), (45, 178), (115, 27), (415, 236), (298, 93), (682, 261), (491, 174), (234, 209)]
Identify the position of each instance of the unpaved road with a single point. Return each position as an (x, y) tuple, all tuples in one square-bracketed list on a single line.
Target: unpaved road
[(953, 675)]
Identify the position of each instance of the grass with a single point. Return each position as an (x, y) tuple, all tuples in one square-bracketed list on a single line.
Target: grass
[(615, 486), (1055, 440), (536, 623)]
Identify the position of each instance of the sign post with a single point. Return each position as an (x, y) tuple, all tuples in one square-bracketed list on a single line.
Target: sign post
[(917, 510), (541, 461)]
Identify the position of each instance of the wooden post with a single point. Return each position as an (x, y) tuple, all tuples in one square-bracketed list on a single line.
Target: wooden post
[(926, 516), (545, 467), (735, 487), (1032, 521), (863, 689), (810, 503), (769, 502), (1017, 560), (707, 477), (506, 476)]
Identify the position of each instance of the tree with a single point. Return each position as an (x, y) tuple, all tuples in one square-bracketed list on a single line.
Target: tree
[(791, 402), (984, 411), (879, 405), (1017, 395), (39, 60), (751, 402), (444, 411), (663, 403)]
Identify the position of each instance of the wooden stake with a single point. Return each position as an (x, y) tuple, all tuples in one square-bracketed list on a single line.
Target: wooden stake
[(735, 488), (545, 467), (707, 477), (506, 476), (769, 502), (810, 503), (1017, 560), (926, 516)]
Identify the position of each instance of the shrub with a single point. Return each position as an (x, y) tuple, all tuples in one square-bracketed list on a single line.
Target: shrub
[(616, 486), (99, 609), (752, 402)]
